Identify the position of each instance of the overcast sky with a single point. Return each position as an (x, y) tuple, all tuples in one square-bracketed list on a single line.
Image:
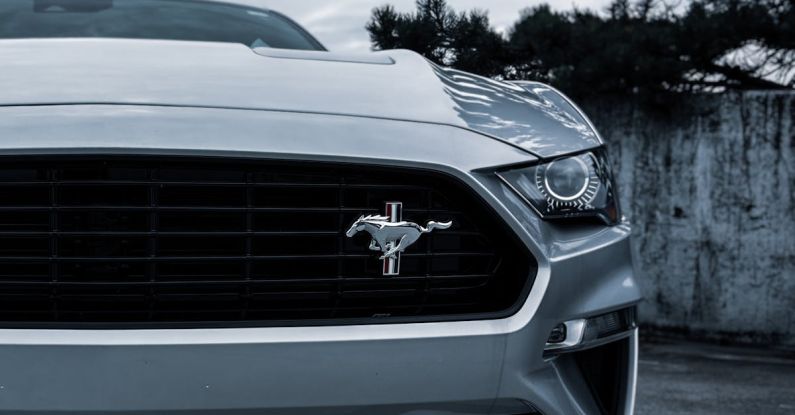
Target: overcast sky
[(339, 24)]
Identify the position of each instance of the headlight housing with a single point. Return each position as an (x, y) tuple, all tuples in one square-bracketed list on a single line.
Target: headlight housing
[(571, 186)]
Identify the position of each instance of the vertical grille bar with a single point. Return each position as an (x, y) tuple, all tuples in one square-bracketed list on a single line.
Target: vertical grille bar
[(151, 266), (428, 265), (249, 230), (52, 175), (339, 284)]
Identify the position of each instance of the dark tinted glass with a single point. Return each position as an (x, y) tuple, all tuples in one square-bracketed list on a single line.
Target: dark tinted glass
[(151, 19)]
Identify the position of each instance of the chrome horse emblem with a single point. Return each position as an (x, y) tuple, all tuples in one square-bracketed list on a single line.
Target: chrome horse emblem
[(391, 235)]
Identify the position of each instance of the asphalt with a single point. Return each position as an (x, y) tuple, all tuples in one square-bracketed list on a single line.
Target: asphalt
[(678, 378)]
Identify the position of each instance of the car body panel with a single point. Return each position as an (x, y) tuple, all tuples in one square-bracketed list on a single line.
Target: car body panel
[(131, 128), (224, 75), (280, 376)]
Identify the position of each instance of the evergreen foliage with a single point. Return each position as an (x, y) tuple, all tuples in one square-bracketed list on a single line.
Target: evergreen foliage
[(642, 47)]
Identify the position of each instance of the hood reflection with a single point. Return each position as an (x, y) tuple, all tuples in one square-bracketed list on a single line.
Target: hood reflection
[(531, 116)]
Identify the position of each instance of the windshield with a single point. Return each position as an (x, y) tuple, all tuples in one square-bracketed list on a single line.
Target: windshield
[(151, 19)]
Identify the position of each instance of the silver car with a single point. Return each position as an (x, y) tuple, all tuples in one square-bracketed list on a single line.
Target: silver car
[(204, 211)]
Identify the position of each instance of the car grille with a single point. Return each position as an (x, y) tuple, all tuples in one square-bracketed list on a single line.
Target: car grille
[(204, 241)]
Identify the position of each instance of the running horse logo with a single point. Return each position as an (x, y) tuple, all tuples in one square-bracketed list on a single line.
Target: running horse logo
[(391, 235)]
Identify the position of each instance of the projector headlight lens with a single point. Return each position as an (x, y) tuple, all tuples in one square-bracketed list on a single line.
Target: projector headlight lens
[(575, 186), (566, 180)]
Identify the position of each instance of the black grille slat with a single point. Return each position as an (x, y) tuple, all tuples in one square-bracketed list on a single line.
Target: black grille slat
[(166, 233), (128, 241), (428, 279), (223, 258)]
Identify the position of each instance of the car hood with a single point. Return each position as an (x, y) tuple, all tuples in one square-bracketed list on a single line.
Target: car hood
[(399, 85)]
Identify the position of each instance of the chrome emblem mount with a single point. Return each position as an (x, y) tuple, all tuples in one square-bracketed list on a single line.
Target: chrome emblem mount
[(391, 235)]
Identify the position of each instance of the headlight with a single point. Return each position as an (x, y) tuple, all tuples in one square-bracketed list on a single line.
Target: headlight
[(574, 186)]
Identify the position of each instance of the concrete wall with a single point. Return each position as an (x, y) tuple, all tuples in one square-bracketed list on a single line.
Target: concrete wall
[(710, 189)]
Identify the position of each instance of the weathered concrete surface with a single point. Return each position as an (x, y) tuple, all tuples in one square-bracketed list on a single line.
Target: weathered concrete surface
[(710, 189), (686, 378)]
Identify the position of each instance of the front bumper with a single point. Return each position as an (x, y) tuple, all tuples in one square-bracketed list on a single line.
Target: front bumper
[(476, 367), (453, 375), (465, 367)]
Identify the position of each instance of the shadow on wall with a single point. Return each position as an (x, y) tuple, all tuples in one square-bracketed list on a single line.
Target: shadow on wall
[(710, 190)]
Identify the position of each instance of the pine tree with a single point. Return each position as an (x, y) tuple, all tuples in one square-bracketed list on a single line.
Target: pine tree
[(641, 47)]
